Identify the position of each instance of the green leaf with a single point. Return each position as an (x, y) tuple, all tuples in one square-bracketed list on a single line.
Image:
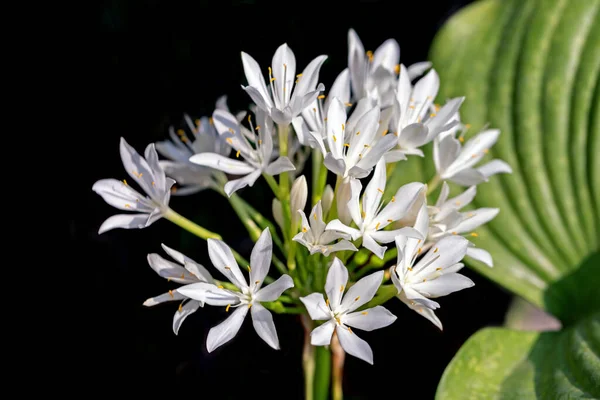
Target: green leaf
[(498, 363)]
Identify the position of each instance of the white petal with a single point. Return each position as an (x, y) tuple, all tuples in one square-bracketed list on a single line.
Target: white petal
[(389, 236), (445, 253), (197, 269), (394, 156), (370, 244), (362, 291), (444, 192), (221, 163), (187, 309), (339, 89), (260, 259), (209, 294), (445, 152), (336, 225), (282, 164), (158, 174), (255, 77), (442, 118), (310, 77), (125, 221), (480, 255), (226, 330), (366, 126), (335, 165), (170, 270), (354, 345), (327, 199), (316, 306), (356, 63), (444, 285), (370, 319), (340, 246), (474, 219), (376, 152), (336, 118), (136, 166), (298, 196), (222, 258), (413, 136), (374, 191), (272, 291), (237, 184), (404, 200), (494, 167), (284, 72), (387, 55), (302, 131), (417, 69), (120, 195), (262, 102), (171, 295), (414, 296), (264, 326), (468, 177), (321, 335), (337, 278), (422, 310)]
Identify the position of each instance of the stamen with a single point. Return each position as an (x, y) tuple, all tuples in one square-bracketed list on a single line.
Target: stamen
[(432, 115), (127, 205), (180, 132), (385, 132), (171, 294), (337, 319), (228, 140), (249, 305), (272, 79), (226, 267), (457, 203), (346, 144), (314, 109), (485, 151), (364, 312), (334, 138), (362, 214), (125, 182), (438, 269), (237, 154), (349, 330), (256, 282), (173, 190), (182, 275), (377, 226), (393, 199), (180, 307), (321, 97), (227, 308), (468, 126), (232, 131), (370, 55), (153, 183), (249, 118), (357, 297), (184, 139), (390, 220), (315, 216), (257, 128), (424, 279), (211, 121), (197, 121), (357, 133), (366, 146), (249, 269), (379, 190), (341, 288), (454, 233), (436, 250), (397, 69), (420, 250), (327, 302), (461, 139), (348, 104), (360, 155), (298, 76), (409, 268), (220, 287), (474, 234), (304, 229), (343, 126)]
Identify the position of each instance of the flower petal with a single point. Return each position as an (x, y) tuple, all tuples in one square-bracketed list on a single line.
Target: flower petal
[(494, 167), (260, 259), (376, 152), (307, 82), (335, 165), (444, 153), (480, 255), (339, 89), (445, 253), (404, 200), (316, 307), (370, 244), (362, 291), (356, 63), (336, 118), (222, 163), (222, 258), (282, 164), (171, 295), (277, 211), (197, 269), (339, 246), (264, 326), (125, 221), (273, 291), (417, 69), (476, 218), (354, 345), (444, 285), (370, 319), (467, 177), (389, 236), (120, 195), (387, 55), (337, 278), (226, 330), (188, 308), (374, 191), (321, 335), (159, 178), (327, 199), (255, 77), (422, 310), (208, 293), (237, 184), (413, 136), (336, 225), (170, 270), (366, 127), (255, 94), (136, 166), (284, 72)]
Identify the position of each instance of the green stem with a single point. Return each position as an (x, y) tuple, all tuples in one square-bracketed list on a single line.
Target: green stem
[(319, 176), (273, 184), (322, 376), (242, 213), (256, 217), (308, 358), (433, 184)]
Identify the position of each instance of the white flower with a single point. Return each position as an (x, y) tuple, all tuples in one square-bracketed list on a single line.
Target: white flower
[(184, 271), (204, 138), (414, 120), (151, 178), (338, 312), (257, 159), (455, 163), (373, 74), (372, 219), (446, 220), (434, 275), (249, 297), (353, 150), (298, 197), (314, 236), (284, 101), (313, 118)]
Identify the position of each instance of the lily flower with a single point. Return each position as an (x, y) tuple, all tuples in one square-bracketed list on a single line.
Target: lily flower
[(455, 163), (432, 276), (318, 240), (283, 101), (204, 138), (339, 311), (150, 177), (249, 297), (372, 219), (184, 271), (257, 159), (353, 151)]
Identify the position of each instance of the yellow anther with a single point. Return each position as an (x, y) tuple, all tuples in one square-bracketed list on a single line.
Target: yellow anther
[(334, 138), (184, 139), (346, 144), (327, 302), (474, 234), (220, 286), (182, 276), (409, 268), (467, 126), (257, 128), (304, 229), (386, 275), (272, 79), (432, 115), (436, 250), (360, 155), (127, 205), (256, 282), (424, 279), (419, 119), (153, 183), (385, 132), (226, 267), (180, 132), (343, 126), (437, 107), (377, 226), (470, 214), (419, 241), (249, 305), (412, 303), (364, 312), (420, 250), (411, 106), (341, 288), (228, 140), (320, 97), (348, 104), (315, 216), (337, 319), (397, 68), (314, 109), (211, 121), (232, 131), (370, 55), (349, 330), (237, 154), (125, 182), (461, 139), (171, 294), (473, 155), (197, 122), (379, 190), (227, 308), (393, 199), (485, 151), (357, 297), (390, 220), (270, 70), (298, 76), (454, 233), (284, 66), (429, 98), (173, 190), (397, 134), (438, 269), (357, 133), (362, 214), (457, 203), (366, 146), (249, 269), (180, 307)]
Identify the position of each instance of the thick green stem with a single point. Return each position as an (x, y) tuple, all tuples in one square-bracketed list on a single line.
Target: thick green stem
[(433, 184), (308, 358), (322, 373), (244, 216), (319, 176)]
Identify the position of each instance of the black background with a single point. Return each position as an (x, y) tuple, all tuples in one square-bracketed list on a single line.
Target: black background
[(155, 60)]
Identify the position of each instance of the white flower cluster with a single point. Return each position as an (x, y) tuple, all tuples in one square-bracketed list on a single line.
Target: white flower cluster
[(376, 114)]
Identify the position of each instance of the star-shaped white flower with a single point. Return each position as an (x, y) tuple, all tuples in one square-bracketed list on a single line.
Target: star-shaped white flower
[(150, 177), (249, 297), (257, 156), (446, 220), (434, 275), (185, 271), (353, 150), (339, 311), (204, 138), (318, 240), (455, 163), (283, 101), (371, 219)]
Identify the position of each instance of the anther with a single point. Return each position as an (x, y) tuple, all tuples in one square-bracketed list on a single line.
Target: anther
[(436, 250), (357, 297), (180, 132), (226, 267), (125, 182), (474, 234), (397, 68), (127, 205), (357, 133), (304, 229), (348, 104), (180, 307), (379, 190), (343, 126), (334, 138), (454, 233), (257, 128), (364, 312), (390, 220), (171, 294), (385, 132), (393, 199), (438, 269), (228, 140), (377, 226), (321, 97), (237, 154), (182, 276), (220, 287), (249, 269), (346, 144), (341, 288), (227, 308), (249, 305)]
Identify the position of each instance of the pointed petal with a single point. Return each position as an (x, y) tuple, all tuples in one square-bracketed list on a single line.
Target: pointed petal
[(158, 174), (302, 131), (258, 99), (480, 255), (327, 199), (447, 150), (445, 253), (335, 165), (444, 285), (374, 191), (356, 63), (370, 244), (337, 278), (310, 77), (222, 163), (170, 270), (137, 168), (422, 310), (321, 335), (336, 225), (394, 156), (255, 77), (403, 92), (389, 236), (284, 72), (282, 164), (387, 55), (404, 200), (277, 212), (222, 258), (439, 122), (226, 330), (474, 219), (413, 136), (362, 291), (260, 259), (274, 290), (494, 167), (264, 326), (339, 89), (377, 151), (417, 69), (354, 345), (120, 195), (366, 127), (316, 307), (336, 119), (298, 197), (188, 308), (468, 177), (195, 268), (340, 246), (125, 221), (171, 295), (370, 319), (237, 184)]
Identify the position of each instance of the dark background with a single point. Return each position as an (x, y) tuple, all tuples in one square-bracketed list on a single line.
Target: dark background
[(155, 60)]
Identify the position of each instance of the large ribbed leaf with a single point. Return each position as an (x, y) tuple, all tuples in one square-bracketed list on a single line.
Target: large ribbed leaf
[(531, 68)]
